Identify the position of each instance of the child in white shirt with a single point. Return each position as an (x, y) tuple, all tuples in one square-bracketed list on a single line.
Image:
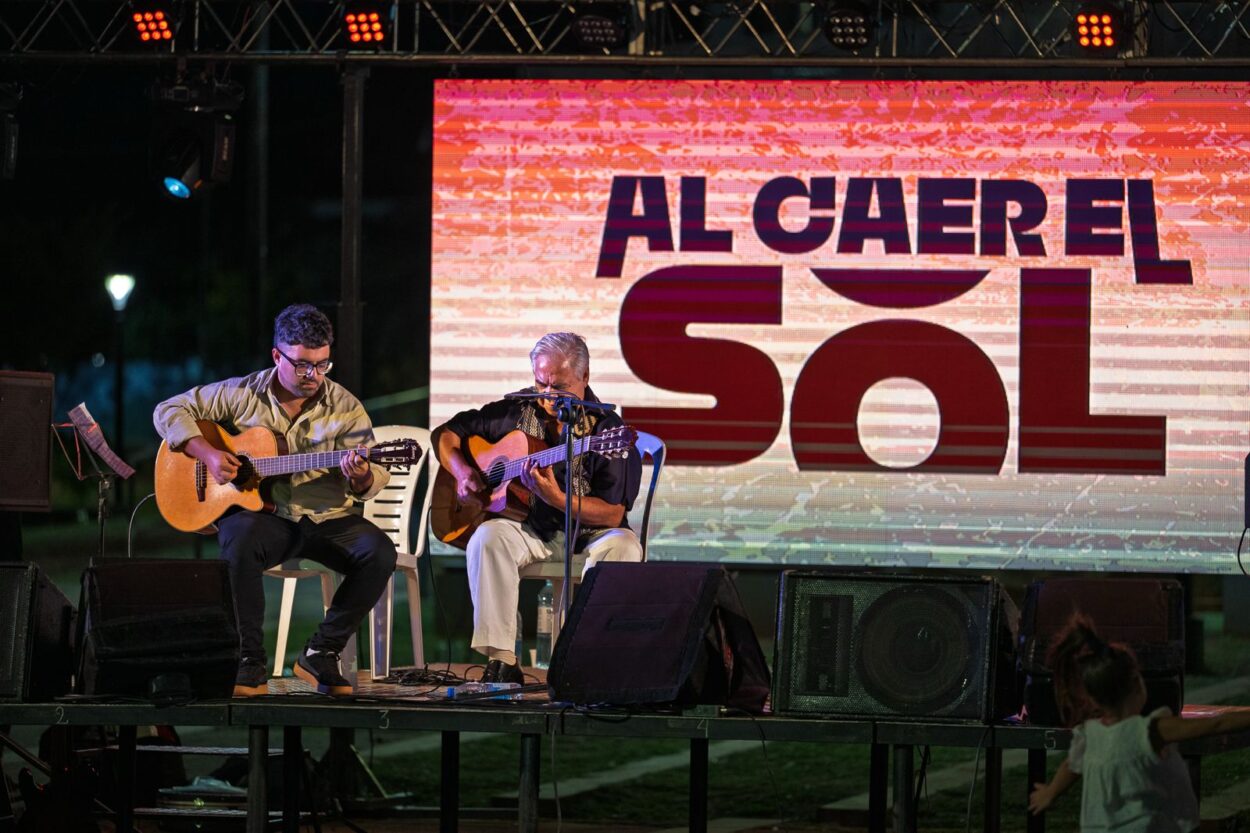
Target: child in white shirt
[(1133, 777)]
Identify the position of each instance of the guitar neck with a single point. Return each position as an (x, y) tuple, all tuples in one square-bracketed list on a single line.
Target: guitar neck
[(293, 463), (547, 457)]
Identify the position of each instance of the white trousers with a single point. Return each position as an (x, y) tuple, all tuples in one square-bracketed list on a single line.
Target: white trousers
[(495, 555)]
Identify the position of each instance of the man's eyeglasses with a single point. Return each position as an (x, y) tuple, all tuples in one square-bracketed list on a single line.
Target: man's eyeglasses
[(303, 368)]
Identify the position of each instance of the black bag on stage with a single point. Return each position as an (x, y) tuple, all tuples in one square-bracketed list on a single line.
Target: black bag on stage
[(659, 633)]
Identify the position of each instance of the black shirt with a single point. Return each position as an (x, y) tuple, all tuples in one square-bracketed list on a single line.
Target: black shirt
[(613, 480)]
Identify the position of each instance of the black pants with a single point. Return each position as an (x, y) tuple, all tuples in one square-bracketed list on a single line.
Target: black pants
[(252, 542)]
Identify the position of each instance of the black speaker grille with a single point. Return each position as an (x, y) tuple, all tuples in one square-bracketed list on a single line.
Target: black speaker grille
[(25, 437), (874, 646)]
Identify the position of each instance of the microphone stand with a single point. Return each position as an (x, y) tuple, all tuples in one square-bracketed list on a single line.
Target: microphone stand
[(565, 414), (565, 403)]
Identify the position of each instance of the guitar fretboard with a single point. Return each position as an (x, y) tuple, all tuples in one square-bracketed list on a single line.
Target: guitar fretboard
[(292, 463), (547, 457)]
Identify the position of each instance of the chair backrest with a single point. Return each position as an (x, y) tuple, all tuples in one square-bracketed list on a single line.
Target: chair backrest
[(392, 510), (649, 445)]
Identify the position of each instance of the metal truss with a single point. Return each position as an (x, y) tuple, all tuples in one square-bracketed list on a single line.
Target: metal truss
[(929, 30)]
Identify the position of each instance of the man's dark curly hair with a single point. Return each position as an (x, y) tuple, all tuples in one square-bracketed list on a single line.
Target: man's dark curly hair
[(302, 324)]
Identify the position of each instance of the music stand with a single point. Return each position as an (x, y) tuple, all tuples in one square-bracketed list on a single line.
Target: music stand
[(98, 451)]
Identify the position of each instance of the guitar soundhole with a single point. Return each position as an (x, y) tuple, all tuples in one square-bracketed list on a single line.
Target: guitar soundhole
[(495, 476), (247, 471)]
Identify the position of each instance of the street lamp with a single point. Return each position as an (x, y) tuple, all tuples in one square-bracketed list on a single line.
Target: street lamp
[(119, 288)]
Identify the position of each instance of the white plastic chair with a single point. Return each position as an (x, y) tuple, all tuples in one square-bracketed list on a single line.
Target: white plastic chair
[(391, 511), (648, 445)]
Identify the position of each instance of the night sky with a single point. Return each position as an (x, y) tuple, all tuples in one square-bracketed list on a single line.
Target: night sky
[(83, 204)]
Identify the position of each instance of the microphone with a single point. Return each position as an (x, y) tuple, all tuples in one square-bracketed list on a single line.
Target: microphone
[(536, 394)]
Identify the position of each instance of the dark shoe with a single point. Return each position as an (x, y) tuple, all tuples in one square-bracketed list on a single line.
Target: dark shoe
[(253, 677), (321, 669), (497, 672)]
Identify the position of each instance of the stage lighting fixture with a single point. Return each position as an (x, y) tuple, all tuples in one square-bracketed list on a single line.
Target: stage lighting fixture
[(194, 142), (152, 23), (598, 33), (848, 26), (367, 25), (1097, 28)]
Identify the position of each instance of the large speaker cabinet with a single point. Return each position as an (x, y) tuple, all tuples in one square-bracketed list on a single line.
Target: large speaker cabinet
[(1145, 613), (894, 646), (151, 623), (25, 441)]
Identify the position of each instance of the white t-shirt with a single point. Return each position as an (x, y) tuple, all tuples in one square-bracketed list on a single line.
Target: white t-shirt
[(1126, 787)]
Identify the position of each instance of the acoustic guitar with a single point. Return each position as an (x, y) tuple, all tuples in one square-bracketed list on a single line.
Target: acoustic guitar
[(499, 464), (192, 501)]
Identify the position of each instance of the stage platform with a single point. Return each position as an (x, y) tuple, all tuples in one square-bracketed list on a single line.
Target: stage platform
[(387, 707)]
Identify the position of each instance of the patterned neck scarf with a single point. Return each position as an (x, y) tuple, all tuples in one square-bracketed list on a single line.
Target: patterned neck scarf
[(533, 421)]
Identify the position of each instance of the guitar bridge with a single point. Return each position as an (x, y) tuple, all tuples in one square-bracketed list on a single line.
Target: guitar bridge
[(201, 480)]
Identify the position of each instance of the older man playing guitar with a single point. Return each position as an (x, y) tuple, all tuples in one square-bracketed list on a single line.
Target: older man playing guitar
[(531, 527)]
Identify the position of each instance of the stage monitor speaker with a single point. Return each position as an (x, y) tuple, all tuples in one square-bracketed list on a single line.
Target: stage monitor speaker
[(159, 629), (894, 646), (36, 636), (659, 633), (1147, 614), (25, 441)]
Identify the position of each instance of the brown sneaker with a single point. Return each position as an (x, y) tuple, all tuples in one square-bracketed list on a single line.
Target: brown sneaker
[(321, 669), (253, 677)]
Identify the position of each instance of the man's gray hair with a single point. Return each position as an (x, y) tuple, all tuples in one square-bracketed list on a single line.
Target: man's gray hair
[(567, 346)]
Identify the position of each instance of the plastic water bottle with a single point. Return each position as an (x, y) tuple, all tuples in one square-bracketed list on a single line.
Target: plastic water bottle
[(546, 618), (520, 643)]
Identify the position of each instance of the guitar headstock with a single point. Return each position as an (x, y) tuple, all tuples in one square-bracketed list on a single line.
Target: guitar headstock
[(615, 442), (395, 453)]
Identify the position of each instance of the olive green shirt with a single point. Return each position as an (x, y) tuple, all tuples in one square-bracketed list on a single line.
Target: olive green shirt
[(333, 420)]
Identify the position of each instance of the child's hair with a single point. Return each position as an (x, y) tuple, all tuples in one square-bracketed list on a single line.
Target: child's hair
[(1091, 675)]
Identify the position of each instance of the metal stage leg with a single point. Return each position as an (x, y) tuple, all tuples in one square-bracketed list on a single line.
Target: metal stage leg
[(904, 776), (698, 785), (993, 789), (126, 741), (345, 774), (527, 792), (878, 787), (257, 779), (8, 822), (449, 798), (292, 775), (1037, 775)]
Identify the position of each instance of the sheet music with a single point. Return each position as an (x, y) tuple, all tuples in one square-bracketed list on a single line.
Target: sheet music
[(90, 431)]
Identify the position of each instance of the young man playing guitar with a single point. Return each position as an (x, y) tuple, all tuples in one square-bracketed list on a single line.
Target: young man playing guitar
[(604, 489), (312, 513)]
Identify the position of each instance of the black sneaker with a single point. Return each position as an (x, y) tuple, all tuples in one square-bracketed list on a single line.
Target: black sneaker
[(253, 677), (497, 672), (321, 669)]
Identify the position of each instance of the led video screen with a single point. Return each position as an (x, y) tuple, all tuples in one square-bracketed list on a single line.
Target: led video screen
[(913, 323)]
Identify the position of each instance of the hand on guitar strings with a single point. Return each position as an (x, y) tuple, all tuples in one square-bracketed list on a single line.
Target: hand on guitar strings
[(469, 486), (221, 464), (541, 481), (355, 467)]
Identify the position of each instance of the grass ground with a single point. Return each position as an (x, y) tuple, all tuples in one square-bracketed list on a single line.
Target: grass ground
[(791, 781)]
